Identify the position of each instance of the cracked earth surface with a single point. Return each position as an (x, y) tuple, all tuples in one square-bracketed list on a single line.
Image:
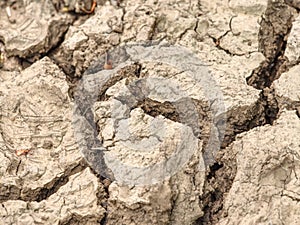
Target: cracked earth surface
[(251, 49)]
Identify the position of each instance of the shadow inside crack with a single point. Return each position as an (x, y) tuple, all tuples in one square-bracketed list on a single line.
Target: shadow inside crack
[(273, 34)]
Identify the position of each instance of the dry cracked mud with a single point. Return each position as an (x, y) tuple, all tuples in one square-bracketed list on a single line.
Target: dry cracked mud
[(196, 122)]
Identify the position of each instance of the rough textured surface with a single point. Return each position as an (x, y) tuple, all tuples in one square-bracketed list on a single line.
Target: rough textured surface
[(148, 109), (293, 44), (286, 86), (35, 115), (36, 29), (75, 202), (265, 189), (143, 133), (85, 43)]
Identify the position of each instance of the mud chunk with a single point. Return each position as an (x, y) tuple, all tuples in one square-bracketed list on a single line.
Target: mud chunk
[(268, 168), (36, 30)]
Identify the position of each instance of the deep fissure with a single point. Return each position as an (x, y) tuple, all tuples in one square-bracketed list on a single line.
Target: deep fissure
[(261, 78)]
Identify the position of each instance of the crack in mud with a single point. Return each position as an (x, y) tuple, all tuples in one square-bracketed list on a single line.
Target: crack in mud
[(220, 176), (55, 185), (274, 30), (103, 199), (273, 44), (17, 193), (217, 40)]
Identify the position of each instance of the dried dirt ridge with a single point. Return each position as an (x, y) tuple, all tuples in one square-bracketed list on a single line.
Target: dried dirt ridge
[(142, 113)]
